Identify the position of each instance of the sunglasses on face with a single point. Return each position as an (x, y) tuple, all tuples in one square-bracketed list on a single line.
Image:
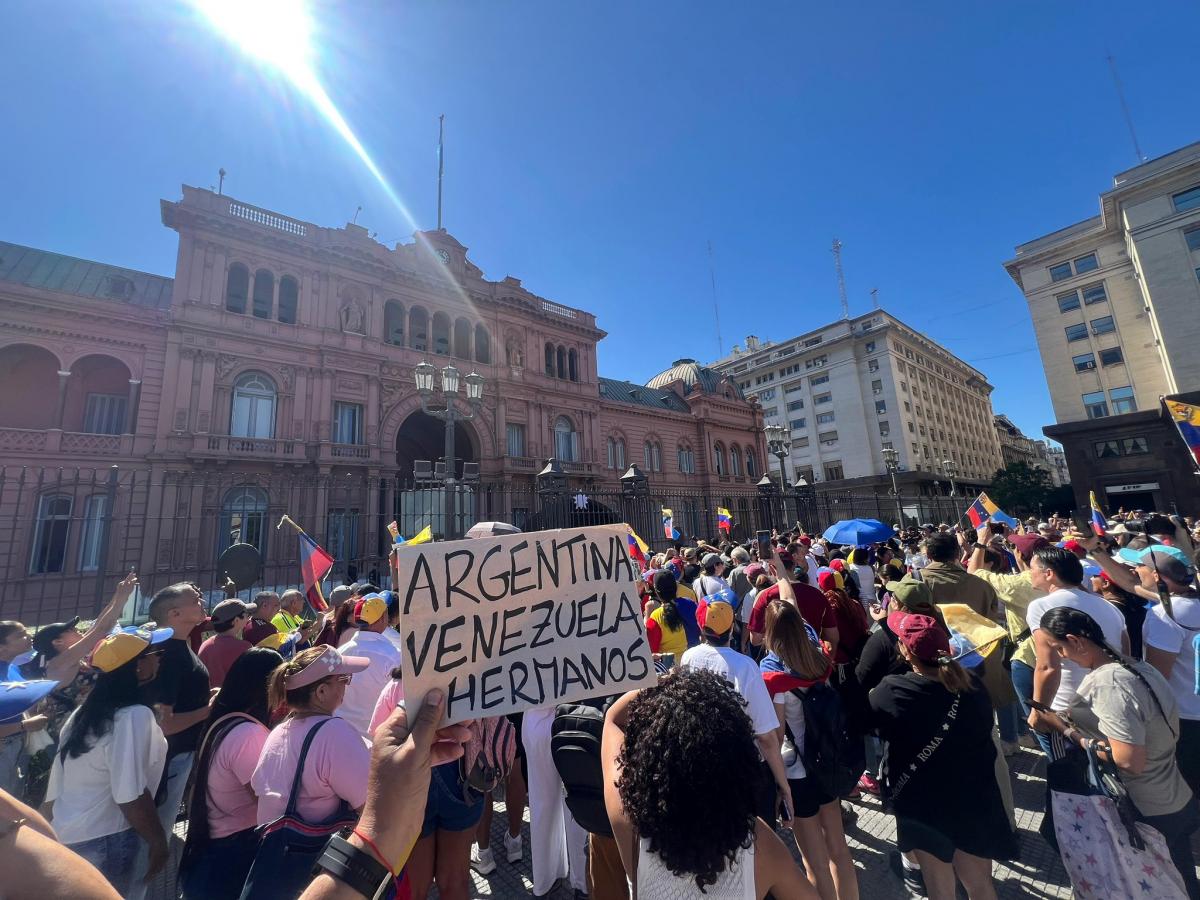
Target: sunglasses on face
[(343, 679)]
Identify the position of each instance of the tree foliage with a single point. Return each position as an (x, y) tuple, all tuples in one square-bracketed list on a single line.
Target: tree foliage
[(1018, 488)]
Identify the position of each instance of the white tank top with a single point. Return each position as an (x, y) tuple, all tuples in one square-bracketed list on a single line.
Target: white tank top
[(656, 882)]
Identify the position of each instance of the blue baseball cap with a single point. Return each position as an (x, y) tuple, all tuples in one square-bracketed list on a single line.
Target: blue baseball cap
[(1141, 557), (18, 696)]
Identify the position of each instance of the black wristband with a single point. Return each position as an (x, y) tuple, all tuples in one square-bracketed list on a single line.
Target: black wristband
[(357, 868)]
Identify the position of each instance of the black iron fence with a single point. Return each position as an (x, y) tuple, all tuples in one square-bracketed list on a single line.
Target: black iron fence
[(67, 536)]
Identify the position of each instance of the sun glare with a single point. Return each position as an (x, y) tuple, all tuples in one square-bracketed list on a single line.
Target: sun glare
[(281, 34)]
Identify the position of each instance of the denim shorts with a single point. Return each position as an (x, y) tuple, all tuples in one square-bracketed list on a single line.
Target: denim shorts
[(446, 809), (113, 855)]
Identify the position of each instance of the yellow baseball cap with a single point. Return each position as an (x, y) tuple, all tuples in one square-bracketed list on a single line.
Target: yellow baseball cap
[(370, 609), (126, 645)]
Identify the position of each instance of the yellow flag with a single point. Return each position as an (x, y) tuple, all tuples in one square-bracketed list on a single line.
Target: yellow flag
[(424, 536), (642, 545)]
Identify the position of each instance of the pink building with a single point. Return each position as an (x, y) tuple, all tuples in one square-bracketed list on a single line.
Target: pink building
[(274, 374)]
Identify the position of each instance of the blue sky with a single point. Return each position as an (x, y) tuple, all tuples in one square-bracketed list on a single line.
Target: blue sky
[(594, 149)]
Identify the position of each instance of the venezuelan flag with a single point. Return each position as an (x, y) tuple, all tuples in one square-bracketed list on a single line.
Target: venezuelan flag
[(724, 519), (424, 536), (638, 549), (1099, 524), (315, 564), (995, 513), (668, 520), (977, 512), (1187, 419)]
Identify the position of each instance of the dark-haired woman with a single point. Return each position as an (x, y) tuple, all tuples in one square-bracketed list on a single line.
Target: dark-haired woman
[(675, 840), (110, 758), (671, 627), (796, 662), (1129, 707), (937, 720), (221, 839)]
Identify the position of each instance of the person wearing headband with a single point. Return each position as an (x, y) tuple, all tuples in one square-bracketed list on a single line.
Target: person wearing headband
[(937, 720)]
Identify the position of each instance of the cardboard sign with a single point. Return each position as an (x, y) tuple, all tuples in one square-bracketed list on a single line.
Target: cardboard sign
[(510, 623)]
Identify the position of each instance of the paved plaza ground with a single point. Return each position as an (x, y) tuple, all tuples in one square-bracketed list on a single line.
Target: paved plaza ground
[(1038, 873)]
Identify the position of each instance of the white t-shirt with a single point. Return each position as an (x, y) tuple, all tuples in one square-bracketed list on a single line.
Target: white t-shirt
[(793, 711), (747, 606), (1107, 616), (743, 673), (365, 687), (813, 565), (116, 769), (1174, 637)]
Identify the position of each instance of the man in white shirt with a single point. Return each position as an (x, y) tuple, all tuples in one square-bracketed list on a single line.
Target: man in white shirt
[(1059, 573), (370, 615), (714, 654)]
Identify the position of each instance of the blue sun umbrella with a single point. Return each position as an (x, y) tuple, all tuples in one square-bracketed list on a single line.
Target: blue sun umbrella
[(858, 532)]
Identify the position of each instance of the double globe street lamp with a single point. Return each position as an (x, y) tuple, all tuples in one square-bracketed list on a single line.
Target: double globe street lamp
[(779, 444), (451, 414)]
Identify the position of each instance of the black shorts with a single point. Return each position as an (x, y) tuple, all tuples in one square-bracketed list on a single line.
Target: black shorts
[(807, 797)]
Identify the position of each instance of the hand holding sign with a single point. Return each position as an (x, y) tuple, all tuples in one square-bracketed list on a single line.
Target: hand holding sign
[(520, 621)]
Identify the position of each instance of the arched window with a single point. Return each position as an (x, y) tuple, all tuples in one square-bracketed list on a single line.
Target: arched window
[(393, 323), (648, 456), (289, 299), (612, 453), (561, 357), (735, 460), (253, 411), (237, 288), (550, 360), (573, 364), (243, 519), (751, 466), (418, 328), (620, 454), (441, 334), (566, 440), (483, 345), (462, 338), (719, 459), (687, 460), (264, 294), (50, 536)]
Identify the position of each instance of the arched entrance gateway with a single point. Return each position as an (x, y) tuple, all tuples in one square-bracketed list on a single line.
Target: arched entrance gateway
[(422, 500)]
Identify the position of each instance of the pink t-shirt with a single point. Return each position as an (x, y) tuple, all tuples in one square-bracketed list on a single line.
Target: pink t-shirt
[(232, 806), (389, 699), (336, 769)]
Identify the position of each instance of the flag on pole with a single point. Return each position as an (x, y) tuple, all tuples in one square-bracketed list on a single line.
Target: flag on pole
[(1099, 525), (315, 564), (394, 531), (424, 536), (724, 519), (638, 549), (984, 509), (1187, 419), (668, 520)]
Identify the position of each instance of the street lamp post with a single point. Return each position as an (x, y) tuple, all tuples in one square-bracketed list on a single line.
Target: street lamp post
[(779, 443), (891, 461), (451, 415), (951, 471)]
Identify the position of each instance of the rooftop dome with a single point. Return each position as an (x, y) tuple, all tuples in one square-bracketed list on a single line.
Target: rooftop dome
[(694, 377)]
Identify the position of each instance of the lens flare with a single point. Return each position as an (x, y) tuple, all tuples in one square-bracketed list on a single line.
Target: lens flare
[(280, 34)]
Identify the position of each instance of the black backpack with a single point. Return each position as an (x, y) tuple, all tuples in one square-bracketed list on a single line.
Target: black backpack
[(826, 742), (575, 736)]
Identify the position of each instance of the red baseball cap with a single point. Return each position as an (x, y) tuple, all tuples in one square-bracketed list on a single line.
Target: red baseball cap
[(1026, 544), (805, 540), (922, 635)]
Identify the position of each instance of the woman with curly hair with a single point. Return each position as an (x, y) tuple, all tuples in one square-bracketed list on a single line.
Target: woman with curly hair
[(680, 782)]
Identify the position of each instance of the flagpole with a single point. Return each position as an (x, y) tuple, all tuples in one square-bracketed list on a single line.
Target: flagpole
[(286, 519)]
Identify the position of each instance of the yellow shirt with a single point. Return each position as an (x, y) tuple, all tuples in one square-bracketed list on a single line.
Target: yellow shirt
[(673, 640), (285, 621), (1016, 592)]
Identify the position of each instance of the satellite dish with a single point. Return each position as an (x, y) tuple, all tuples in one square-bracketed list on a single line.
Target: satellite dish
[(239, 567)]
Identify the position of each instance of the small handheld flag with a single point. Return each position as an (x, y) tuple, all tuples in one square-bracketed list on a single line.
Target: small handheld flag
[(724, 519), (984, 509), (638, 549), (1187, 419), (394, 531), (977, 512), (1099, 525), (424, 536), (668, 520)]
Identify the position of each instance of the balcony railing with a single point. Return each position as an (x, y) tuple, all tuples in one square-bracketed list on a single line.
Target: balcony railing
[(222, 445), (55, 440)]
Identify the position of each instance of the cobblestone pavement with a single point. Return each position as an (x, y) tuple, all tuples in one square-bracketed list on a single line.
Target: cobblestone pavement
[(871, 833)]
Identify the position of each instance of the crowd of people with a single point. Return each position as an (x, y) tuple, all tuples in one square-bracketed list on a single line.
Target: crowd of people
[(795, 676)]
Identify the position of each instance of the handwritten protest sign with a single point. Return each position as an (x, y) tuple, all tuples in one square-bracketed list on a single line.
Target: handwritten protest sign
[(508, 623)]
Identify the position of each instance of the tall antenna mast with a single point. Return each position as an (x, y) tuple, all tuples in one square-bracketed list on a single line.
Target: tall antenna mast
[(441, 166), (875, 298), (712, 275), (841, 276), (1137, 148)]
